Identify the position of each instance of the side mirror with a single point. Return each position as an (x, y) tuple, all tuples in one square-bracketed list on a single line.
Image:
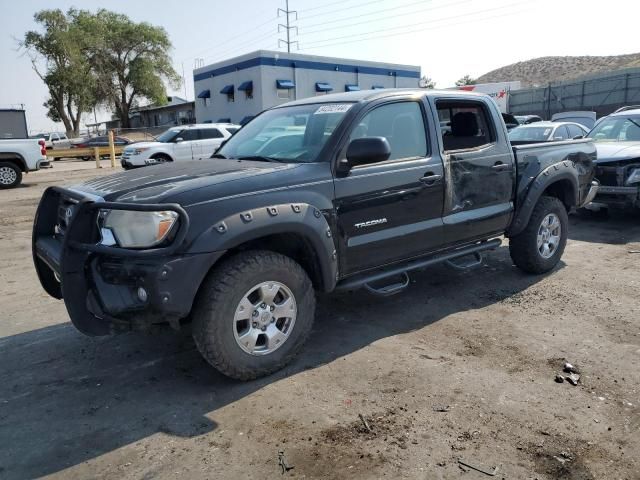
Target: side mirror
[(178, 140), (578, 137), (364, 151)]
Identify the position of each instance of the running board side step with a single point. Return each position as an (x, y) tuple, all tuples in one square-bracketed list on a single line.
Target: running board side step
[(366, 280)]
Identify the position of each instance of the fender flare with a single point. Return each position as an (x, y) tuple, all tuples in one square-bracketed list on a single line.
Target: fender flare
[(302, 219), (554, 173)]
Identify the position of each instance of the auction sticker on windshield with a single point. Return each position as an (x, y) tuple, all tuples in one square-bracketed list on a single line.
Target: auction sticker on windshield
[(333, 108)]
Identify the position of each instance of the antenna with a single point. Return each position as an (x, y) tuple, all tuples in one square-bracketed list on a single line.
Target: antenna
[(286, 12)]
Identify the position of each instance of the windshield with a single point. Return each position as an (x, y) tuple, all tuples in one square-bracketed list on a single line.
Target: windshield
[(168, 136), (530, 134), (617, 129), (290, 134)]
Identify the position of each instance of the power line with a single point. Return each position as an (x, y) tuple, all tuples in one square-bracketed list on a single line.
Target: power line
[(242, 45), (419, 23), (375, 37), (387, 17), (230, 39), (341, 9), (342, 2), (287, 27)]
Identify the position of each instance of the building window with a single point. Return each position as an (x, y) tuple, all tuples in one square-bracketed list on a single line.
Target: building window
[(247, 87), (229, 91), (284, 93)]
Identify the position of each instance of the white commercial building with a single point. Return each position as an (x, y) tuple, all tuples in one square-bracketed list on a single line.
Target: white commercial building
[(237, 89)]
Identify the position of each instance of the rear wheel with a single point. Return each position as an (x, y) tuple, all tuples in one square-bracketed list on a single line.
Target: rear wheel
[(10, 175), (253, 314), (538, 248)]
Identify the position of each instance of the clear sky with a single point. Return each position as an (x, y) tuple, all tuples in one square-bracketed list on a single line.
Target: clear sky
[(447, 38)]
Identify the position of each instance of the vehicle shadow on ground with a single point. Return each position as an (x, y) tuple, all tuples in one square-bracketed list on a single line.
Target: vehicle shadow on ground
[(617, 227), (66, 398)]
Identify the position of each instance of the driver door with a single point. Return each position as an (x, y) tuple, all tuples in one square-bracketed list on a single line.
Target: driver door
[(391, 210)]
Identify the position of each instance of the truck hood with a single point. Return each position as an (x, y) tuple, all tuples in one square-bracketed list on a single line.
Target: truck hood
[(159, 183), (609, 152)]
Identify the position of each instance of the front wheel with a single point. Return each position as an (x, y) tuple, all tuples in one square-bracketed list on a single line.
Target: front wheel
[(253, 314), (538, 248), (10, 175)]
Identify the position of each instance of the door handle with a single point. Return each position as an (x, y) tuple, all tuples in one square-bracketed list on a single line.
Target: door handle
[(430, 178), (500, 167)]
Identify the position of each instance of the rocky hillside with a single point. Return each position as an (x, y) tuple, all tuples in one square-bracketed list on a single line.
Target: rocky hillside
[(540, 71)]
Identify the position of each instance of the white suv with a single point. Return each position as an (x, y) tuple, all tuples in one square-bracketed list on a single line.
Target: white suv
[(190, 142)]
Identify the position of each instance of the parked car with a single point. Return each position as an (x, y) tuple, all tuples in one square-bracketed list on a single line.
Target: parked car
[(546, 132), (54, 140), (584, 118), (19, 156), (100, 141), (617, 139), (527, 119), (189, 142), (239, 243)]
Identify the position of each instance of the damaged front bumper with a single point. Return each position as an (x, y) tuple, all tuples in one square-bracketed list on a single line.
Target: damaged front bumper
[(110, 289)]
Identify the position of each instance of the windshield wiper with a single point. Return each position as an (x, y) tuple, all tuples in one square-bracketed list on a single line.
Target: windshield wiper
[(217, 155), (261, 158)]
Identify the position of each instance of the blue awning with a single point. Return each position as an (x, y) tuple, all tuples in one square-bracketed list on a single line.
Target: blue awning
[(351, 88), (246, 119), (205, 94), (376, 87), (285, 84), (228, 90), (246, 86), (224, 120), (323, 87)]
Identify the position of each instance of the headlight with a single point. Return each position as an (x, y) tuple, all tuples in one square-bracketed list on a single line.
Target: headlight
[(134, 229), (634, 177)]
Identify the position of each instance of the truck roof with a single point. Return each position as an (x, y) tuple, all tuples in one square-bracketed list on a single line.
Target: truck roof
[(366, 95)]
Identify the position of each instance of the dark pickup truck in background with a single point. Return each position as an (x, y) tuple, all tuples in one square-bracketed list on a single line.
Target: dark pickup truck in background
[(334, 192)]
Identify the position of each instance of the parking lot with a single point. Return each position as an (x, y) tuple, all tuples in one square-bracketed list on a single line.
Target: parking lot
[(459, 366)]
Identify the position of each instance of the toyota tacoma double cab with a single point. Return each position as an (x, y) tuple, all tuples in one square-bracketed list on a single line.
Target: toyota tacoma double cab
[(365, 189)]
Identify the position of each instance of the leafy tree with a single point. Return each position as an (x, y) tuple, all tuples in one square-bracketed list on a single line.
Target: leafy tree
[(427, 82), (130, 60), (58, 55), (466, 80)]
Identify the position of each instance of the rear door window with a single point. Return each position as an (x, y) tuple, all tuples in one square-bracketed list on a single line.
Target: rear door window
[(208, 133), (464, 125)]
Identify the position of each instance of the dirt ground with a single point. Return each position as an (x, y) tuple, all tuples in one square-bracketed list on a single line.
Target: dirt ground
[(459, 366)]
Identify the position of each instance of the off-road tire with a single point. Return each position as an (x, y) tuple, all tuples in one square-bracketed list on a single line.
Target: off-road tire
[(18, 175), (218, 299), (524, 248)]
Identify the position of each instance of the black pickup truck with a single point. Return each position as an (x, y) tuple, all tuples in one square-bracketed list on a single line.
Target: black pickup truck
[(334, 192)]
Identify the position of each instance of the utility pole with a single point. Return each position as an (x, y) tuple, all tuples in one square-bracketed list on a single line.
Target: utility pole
[(287, 27)]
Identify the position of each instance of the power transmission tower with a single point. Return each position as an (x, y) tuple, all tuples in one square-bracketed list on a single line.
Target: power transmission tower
[(287, 27)]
